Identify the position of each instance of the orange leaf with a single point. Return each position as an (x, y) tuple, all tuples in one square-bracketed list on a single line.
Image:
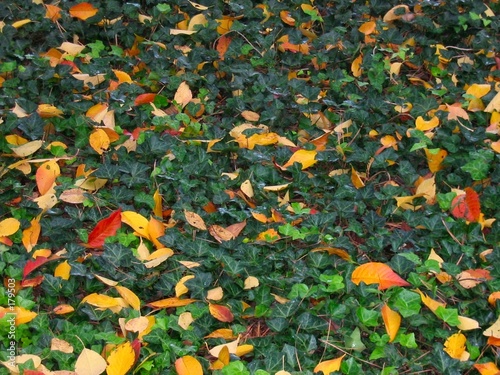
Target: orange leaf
[(171, 302), (99, 141), (392, 321), (377, 273), (121, 360), (334, 251), (188, 365), (83, 11), (53, 12), (472, 201), (97, 112), (63, 309), (487, 368), (104, 229), (221, 313), (471, 278), (46, 176), (180, 287), (222, 45), (329, 366), (455, 111), (356, 68), (31, 234), (434, 158), (144, 99), (356, 179), (493, 297), (455, 347)]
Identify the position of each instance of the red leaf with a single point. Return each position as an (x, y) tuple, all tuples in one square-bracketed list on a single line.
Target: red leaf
[(104, 229), (136, 345), (144, 99), (472, 201), (32, 282), (33, 264), (32, 372), (221, 313), (466, 206)]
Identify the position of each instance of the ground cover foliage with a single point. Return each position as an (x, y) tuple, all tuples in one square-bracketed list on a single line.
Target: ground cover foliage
[(250, 188)]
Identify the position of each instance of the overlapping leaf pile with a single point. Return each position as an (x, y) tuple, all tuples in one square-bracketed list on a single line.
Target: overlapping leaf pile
[(250, 188)]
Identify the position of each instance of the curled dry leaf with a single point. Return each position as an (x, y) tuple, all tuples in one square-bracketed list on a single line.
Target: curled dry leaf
[(195, 220)]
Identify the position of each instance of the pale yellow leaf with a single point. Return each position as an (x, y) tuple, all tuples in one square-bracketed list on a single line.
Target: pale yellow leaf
[(195, 220), (251, 282), (75, 196), (246, 187), (467, 324), (180, 287), (250, 116), (493, 330), (185, 320), (90, 363), (27, 149), (183, 95), (61, 345), (138, 324), (215, 294), (494, 104)]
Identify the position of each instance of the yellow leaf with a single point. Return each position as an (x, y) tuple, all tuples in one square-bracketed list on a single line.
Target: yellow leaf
[(195, 220), (90, 363), (83, 11), (197, 20), (356, 68), (137, 222), (494, 105), (99, 141), (251, 282), (48, 111), (183, 95), (242, 350), (63, 270), (478, 90), (329, 366), (23, 315), (158, 208), (334, 251), (433, 305), (424, 125), (356, 179), (129, 296), (493, 330), (20, 23), (31, 234), (222, 333), (16, 140), (100, 300), (275, 188), (121, 360), (180, 288), (305, 157), (455, 347), (231, 347), (9, 226), (427, 189), (392, 321), (188, 365)]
